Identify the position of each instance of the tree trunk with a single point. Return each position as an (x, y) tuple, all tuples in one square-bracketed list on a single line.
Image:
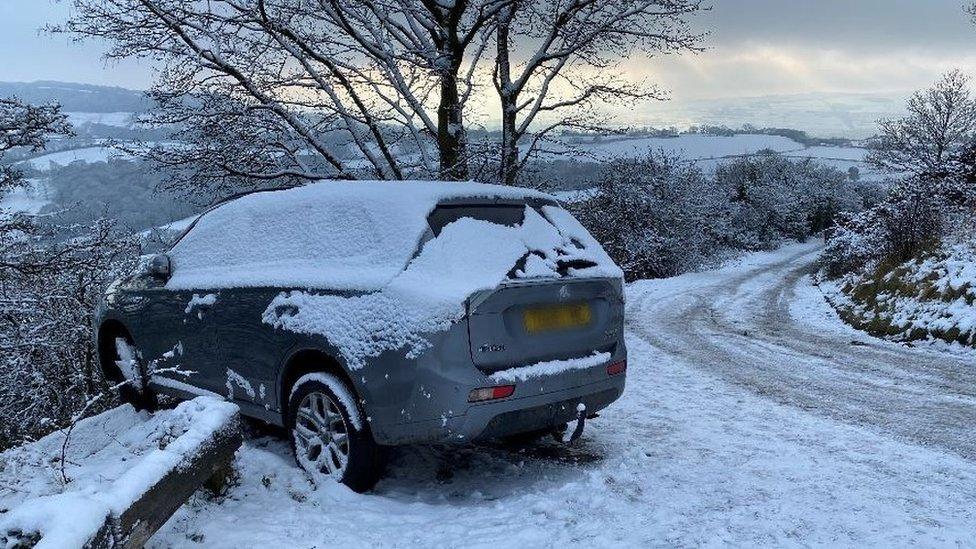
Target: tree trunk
[(451, 136), (510, 154), (509, 158)]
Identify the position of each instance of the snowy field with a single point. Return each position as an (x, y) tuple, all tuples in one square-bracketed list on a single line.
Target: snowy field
[(117, 119), (30, 198), (726, 435), (63, 158), (708, 151)]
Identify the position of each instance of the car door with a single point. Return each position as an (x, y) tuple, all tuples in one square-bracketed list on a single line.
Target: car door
[(173, 344), (198, 326), (155, 321), (250, 350)]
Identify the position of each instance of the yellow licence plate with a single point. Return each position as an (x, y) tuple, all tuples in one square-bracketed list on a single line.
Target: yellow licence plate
[(562, 317)]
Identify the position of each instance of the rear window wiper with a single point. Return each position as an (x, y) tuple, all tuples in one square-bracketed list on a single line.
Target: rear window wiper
[(564, 265)]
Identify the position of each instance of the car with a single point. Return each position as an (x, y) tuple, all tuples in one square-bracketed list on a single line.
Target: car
[(359, 315)]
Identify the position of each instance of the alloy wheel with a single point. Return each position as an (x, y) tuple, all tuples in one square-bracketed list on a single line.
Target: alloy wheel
[(321, 436)]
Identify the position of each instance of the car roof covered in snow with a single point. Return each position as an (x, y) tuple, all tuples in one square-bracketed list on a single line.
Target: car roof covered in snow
[(428, 191), (343, 235)]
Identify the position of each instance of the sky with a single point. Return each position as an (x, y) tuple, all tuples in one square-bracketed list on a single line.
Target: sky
[(879, 49), (760, 47)]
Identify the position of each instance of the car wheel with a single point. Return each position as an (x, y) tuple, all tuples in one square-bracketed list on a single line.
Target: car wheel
[(329, 435), (138, 394)]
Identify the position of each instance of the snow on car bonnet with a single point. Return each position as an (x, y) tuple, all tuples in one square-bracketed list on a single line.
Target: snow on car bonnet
[(335, 235), (469, 255)]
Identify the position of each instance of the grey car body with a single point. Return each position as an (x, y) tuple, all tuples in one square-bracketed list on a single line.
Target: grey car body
[(218, 334)]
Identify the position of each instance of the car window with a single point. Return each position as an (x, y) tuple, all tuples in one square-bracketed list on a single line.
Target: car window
[(511, 215), (302, 239)]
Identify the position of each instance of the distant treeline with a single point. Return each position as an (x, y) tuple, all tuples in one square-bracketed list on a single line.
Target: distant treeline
[(77, 97)]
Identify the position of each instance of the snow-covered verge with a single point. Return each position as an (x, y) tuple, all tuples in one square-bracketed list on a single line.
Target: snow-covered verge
[(932, 298), (111, 460), (683, 459)]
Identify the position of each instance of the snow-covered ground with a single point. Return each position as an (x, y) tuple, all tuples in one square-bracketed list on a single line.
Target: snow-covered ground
[(752, 417), (28, 199), (842, 158), (118, 119), (63, 158), (689, 146)]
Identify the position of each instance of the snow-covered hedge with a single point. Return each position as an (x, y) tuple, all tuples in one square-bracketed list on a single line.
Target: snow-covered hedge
[(49, 290), (909, 221), (906, 268), (655, 216)]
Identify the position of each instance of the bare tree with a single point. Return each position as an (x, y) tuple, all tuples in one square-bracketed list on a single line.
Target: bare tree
[(557, 60), (925, 144), (442, 38), (282, 91), (321, 88), (48, 289)]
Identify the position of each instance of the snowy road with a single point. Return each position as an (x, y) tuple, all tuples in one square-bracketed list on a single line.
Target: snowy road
[(752, 330), (752, 416)]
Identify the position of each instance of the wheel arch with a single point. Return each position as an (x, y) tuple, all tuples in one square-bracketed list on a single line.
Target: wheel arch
[(108, 331), (309, 360)]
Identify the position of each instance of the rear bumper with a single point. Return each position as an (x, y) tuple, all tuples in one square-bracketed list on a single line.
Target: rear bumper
[(540, 416), (519, 414), (425, 399)]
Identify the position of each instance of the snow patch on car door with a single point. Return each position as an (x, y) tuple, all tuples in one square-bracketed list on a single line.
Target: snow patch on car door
[(233, 378)]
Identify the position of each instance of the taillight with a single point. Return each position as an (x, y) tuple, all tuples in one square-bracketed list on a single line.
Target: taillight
[(617, 368), (491, 393)]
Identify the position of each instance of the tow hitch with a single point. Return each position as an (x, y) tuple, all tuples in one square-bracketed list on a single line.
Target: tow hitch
[(568, 437)]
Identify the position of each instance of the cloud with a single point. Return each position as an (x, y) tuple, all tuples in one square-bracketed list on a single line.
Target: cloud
[(865, 26), (767, 69)]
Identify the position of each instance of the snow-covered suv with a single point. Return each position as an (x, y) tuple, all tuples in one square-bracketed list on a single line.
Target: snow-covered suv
[(361, 314)]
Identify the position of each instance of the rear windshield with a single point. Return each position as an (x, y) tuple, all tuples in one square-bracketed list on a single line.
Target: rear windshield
[(511, 215)]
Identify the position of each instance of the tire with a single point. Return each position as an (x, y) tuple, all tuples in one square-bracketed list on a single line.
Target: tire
[(142, 398), (321, 405)]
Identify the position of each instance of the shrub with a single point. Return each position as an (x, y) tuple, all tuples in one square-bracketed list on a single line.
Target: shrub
[(50, 289), (774, 198), (659, 215), (908, 222)]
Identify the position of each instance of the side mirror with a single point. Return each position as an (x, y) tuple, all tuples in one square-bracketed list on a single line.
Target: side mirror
[(160, 267)]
